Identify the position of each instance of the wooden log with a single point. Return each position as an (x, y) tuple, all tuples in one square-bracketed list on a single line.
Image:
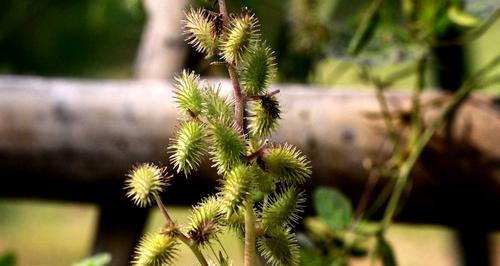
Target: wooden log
[(75, 140), (162, 50)]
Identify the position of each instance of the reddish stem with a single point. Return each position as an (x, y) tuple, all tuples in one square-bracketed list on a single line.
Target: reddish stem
[(238, 98)]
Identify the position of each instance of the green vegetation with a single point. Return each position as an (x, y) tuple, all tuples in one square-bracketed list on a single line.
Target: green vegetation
[(334, 42), (258, 197)]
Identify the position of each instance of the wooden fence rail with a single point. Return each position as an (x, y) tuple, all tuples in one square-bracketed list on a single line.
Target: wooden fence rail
[(75, 140)]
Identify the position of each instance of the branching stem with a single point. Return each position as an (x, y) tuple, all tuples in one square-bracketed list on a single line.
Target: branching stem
[(239, 110), (185, 239), (405, 169), (163, 210), (194, 248), (259, 97), (233, 74)]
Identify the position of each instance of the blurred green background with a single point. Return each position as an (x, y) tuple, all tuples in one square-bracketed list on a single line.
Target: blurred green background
[(99, 39)]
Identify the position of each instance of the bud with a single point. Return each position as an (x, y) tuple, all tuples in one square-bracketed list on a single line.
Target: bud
[(241, 35), (217, 107), (257, 70), (155, 250), (205, 221), (279, 247), (201, 30), (264, 116), (287, 164), (187, 93), (282, 210), (144, 183), (236, 187), (226, 146), (187, 147)]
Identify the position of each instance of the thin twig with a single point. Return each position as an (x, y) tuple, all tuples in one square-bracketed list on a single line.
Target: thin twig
[(421, 143), (384, 107), (259, 97), (163, 209)]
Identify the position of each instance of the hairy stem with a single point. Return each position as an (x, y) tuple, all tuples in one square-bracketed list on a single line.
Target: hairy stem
[(249, 254), (238, 98), (188, 242), (239, 109)]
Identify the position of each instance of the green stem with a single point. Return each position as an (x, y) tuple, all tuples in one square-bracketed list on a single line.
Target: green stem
[(421, 142), (380, 87), (249, 254), (194, 248), (417, 92)]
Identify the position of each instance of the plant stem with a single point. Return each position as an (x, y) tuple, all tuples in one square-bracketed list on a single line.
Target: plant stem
[(239, 109), (421, 142), (163, 210), (249, 254), (223, 11), (382, 101), (416, 117), (194, 248), (186, 240), (238, 98)]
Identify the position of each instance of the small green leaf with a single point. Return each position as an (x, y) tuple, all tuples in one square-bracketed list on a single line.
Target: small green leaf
[(385, 252), (461, 17), (366, 29), (100, 259), (333, 207)]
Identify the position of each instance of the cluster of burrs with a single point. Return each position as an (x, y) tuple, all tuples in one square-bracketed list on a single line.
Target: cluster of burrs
[(258, 197)]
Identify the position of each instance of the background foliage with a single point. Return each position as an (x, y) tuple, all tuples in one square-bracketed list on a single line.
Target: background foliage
[(99, 39)]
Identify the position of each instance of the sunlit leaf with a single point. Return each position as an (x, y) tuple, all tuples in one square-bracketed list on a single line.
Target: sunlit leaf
[(461, 17)]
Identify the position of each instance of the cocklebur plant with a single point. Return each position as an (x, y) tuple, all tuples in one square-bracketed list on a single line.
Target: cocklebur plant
[(258, 198)]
